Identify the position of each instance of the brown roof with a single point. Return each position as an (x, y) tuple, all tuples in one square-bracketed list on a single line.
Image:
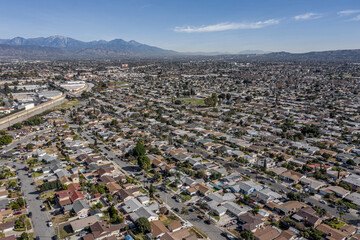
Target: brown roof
[(250, 221), (350, 230), (291, 206), (157, 228), (285, 235), (292, 175), (99, 228), (331, 232), (123, 194), (113, 187), (6, 225), (174, 225), (178, 235), (267, 233), (309, 215), (106, 179)]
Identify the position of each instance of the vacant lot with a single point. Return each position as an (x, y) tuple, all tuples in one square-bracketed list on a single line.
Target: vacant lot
[(68, 104), (193, 101)]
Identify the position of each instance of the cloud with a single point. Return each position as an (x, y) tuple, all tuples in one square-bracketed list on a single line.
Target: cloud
[(348, 12), (307, 16), (357, 18), (227, 26)]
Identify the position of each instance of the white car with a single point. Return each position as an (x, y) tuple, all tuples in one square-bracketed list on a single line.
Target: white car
[(49, 224)]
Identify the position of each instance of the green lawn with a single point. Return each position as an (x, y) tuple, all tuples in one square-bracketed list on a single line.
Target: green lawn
[(166, 220), (47, 195), (335, 224), (185, 196), (36, 174), (68, 104), (215, 216), (193, 101)]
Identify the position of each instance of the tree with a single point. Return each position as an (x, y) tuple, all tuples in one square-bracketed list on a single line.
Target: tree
[(142, 225), (211, 101), (144, 162), (139, 149), (26, 236), (350, 162), (29, 146), (5, 140), (265, 165), (256, 210), (247, 235), (184, 211), (16, 126), (157, 177), (152, 190)]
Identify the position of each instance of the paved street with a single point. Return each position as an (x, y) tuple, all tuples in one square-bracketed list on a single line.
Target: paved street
[(39, 218)]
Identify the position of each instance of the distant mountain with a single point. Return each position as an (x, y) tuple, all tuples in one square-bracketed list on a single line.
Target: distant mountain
[(254, 52), (64, 47), (326, 56), (68, 48)]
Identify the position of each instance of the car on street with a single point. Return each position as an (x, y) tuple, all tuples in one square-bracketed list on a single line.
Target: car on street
[(207, 221), (30, 214), (322, 201), (191, 210), (176, 209)]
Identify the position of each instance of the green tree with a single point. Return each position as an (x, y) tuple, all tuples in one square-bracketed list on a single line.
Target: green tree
[(256, 210), (152, 190), (144, 162), (26, 236), (139, 149), (247, 235), (5, 140), (142, 225)]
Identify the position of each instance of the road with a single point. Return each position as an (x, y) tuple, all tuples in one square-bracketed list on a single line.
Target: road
[(211, 231), (25, 114), (39, 218), (23, 140)]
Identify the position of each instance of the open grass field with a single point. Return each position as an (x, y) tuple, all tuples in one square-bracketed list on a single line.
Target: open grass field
[(68, 104), (193, 101)]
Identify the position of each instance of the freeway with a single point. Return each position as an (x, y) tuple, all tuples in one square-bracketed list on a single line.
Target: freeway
[(25, 114)]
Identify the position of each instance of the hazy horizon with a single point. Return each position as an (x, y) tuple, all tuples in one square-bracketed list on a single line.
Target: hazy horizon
[(192, 26)]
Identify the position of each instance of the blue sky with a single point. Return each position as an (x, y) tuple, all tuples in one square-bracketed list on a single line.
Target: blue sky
[(192, 25)]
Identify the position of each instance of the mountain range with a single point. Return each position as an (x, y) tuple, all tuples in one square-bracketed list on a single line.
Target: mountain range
[(59, 47)]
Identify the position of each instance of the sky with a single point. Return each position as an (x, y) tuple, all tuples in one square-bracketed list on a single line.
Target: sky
[(192, 25)]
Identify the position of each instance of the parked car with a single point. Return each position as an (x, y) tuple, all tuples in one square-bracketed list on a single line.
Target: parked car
[(207, 221), (200, 216), (176, 209), (322, 201), (49, 224)]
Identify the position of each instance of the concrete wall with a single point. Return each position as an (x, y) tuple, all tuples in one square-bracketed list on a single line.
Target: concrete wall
[(25, 114)]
